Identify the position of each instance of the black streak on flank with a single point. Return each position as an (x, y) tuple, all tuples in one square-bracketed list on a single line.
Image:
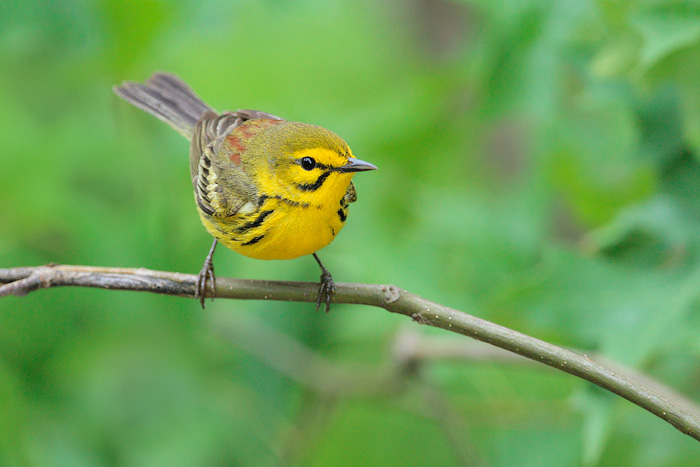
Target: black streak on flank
[(253, 224), (292, 203), (288, 201), (316, 185), (253, 241), (342, 215)]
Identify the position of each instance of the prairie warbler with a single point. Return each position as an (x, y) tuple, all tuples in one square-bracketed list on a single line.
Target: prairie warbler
[(264, 187)]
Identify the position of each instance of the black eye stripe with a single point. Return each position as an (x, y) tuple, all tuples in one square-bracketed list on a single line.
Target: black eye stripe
[(316, 165)]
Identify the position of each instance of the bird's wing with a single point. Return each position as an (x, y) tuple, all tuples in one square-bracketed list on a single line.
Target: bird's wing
[(222, 188)]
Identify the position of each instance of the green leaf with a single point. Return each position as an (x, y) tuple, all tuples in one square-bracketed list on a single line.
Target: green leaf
[(597, 407), (665, 30)]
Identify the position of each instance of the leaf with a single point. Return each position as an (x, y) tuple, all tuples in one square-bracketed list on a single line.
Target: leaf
[(596, 406), (666, 30)]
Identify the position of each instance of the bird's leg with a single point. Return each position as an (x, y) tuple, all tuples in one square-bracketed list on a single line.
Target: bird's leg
[(207, 272), (327, 287)]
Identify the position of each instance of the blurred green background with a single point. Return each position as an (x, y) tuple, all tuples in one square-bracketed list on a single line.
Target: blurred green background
[(538, 168)]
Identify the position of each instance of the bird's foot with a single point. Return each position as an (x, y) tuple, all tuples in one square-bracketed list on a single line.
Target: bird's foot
[(325, 291), (206, 275), (326, 288)]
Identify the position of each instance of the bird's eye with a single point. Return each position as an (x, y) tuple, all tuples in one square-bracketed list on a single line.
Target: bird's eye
[(307, 163)]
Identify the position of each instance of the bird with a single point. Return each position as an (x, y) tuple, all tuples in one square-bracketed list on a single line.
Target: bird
[(264, 187)]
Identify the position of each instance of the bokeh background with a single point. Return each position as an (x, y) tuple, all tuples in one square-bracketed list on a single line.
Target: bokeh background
[(538, 168)]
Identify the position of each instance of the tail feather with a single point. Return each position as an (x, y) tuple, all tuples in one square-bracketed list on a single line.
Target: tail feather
[(167, 97)]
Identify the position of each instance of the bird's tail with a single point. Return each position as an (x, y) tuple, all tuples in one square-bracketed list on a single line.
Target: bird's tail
[(167, 97)]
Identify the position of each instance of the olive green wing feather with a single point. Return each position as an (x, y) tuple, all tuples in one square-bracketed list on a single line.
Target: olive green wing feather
[(222, 187)]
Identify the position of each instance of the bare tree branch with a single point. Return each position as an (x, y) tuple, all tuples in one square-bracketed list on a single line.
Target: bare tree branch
[(20, 281)]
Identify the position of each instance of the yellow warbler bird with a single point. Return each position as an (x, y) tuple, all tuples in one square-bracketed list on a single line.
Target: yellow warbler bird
[(264, 187)]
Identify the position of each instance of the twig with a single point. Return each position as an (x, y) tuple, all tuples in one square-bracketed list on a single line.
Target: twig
[(20, 281)]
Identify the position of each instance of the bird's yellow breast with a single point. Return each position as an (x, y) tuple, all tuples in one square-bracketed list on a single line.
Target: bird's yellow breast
[(279, 229)]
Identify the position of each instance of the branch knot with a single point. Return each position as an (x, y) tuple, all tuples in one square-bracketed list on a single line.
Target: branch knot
[(391, 293)]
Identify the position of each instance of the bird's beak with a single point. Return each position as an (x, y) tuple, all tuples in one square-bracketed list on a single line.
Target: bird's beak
[(356, 165)]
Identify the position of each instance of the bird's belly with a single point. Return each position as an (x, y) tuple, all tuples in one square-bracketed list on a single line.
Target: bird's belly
[(283, 233)]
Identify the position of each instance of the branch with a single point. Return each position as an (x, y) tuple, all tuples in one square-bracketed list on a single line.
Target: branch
[(20, 281)]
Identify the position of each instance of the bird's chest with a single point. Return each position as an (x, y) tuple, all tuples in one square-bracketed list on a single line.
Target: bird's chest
[(281, 229), (299, 230)]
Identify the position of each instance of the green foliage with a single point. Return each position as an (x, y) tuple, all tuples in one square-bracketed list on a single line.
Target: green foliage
[(538, 167)]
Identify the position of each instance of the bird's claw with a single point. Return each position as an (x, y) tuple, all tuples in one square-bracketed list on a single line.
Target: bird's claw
[(206, 274), (325, 290)]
